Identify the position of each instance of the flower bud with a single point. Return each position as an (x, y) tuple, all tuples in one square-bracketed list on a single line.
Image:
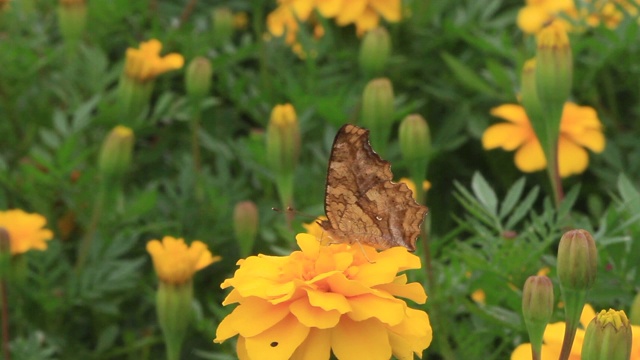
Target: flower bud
[(415, 139), (374, 51), (608, 337), (115, 154), (554, 68), (198, 77), (283, 149), (537, 300), (72, 18), (377, 111), (223, 24), (530, 100), (577, 260), (245, 225)]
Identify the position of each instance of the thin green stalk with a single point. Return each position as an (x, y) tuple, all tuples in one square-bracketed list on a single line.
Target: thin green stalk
[(85, 244), (5, 319), (574, 302)]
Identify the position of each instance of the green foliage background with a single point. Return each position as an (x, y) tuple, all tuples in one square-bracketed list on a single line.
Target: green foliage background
[(490, 226)]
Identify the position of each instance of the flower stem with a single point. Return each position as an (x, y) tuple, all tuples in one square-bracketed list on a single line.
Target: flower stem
[(574, 302), (85, 244)]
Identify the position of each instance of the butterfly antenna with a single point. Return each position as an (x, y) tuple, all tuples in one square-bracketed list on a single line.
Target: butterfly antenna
[(291, 211)]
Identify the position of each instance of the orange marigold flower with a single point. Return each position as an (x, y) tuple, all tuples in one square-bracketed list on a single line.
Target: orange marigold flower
[(145, 63), (554, 335), (324, 299), (579, 128), (26, 231), (175, 262)]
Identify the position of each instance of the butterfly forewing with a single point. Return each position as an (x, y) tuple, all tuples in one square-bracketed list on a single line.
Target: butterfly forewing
[(362, 204)]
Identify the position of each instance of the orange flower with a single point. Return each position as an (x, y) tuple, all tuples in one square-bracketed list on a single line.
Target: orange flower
[(25, 231), (145, 63), (579, 128), (325, 299), (175, 262)]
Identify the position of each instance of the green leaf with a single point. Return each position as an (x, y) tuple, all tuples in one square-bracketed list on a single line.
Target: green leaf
[(467, 76), (513, 195), (484, 193)]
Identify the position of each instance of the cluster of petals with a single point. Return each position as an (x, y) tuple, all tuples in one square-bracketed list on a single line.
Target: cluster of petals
[(364, 14), (146, 64), (175, 262), (580, 128), (325, 299), (26, 231), (536, 13), (554, 335)]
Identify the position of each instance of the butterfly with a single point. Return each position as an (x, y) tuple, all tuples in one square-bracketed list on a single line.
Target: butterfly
[(362, 204)]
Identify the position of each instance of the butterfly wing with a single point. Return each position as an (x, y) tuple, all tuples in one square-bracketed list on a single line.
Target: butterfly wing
[(361, 202)]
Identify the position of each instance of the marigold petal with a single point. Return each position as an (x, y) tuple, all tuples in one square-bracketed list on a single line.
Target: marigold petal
[(351, 11), (388, 311), (312, 316), (201, 255), (368, 20), (505, 135), (329, 8), (530, 157), (279, 341), (416, 324), (592, 139), (413, 291), (341, 285), (360, 340), (511, 112), (389, 9), (172, 61), (386, 266), (253, 317), (328, 301), (317, 346), (531, 18), (572, 158), (309, 244), (401, 348)]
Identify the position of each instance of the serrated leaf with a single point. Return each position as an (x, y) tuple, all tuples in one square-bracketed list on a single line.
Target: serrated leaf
[(569, 200)]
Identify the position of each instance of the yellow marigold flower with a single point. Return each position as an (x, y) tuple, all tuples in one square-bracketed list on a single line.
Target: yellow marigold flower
[(175, 262), (365, 14), (145, 63), (324, 299), (536, 13), (479, 296), (26, 231), (554, 334), (426, 185), (579, 128)]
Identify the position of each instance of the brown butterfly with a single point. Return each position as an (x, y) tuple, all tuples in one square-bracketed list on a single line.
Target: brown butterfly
[(362, 204)]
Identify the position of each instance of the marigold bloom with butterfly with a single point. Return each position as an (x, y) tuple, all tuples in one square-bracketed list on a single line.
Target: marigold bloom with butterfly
[(326, 298)]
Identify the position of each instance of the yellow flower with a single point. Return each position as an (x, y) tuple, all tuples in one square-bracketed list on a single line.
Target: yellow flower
[(325, 299), (536, 13), (479, 296), (554, 334), (25, 231), (579, 128), (175, 262), (365, 14), (145, 63), (426, 185)]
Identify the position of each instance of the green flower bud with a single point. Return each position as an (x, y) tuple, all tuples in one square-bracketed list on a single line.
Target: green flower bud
[(245, 225), (72, 18), (377, 112), (537, 308), (174, 314), (374, 51), (198, 77), (223, 23), (608, 337), (115, 154), (415, 138), (577, 260), (554, 71), (283, 149)]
